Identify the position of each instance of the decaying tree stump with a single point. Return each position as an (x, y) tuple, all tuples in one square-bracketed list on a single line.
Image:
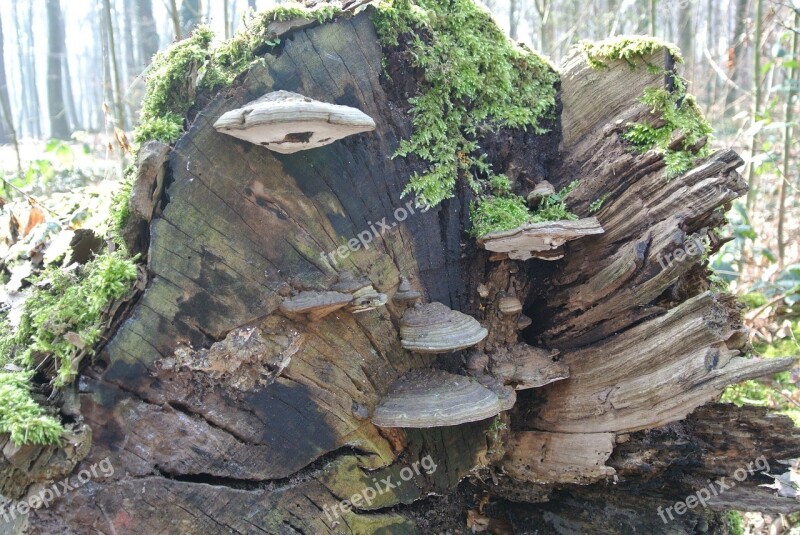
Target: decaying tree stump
[(238, 395)]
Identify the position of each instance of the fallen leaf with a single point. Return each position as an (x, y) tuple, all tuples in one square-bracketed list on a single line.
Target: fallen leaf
[(35, 217)]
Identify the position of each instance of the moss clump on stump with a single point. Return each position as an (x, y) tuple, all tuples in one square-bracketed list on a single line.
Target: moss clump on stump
[(475, 79), (504, 213), (682, 119), (21, 417), (61, 320), (629, 49)]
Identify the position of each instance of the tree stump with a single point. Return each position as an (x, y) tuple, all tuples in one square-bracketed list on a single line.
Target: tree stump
[(223, 410)]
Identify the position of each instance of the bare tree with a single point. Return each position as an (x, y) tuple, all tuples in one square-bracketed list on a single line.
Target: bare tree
[(59, 128), (514, 10), (735, 53), (788, 117), (176, 18), (119, 114), (8, 131), (191, 13), (146, 30)]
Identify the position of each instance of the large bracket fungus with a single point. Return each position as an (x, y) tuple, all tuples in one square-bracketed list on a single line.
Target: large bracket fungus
[(435, 328), (314, 305), (538, 240), (434, 398), (287, 122)]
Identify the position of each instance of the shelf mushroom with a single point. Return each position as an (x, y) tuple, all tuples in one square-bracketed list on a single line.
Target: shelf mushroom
[(288, 122), (406, 293), (314, 305), (425, 398), (365, 296), (435, 328), (510, 305)]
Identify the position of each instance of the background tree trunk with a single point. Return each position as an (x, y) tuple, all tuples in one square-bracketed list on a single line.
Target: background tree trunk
[(59, 128), (191, 14), (146, 32), (220, 413), (111, 54)]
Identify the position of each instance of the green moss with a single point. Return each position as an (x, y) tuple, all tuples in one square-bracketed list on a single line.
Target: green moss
[(63, 314), (493, 214), (119, 211), (171, 86), (475, 79), (499, 213), (735, 523), (20, 416), (680, 115), (625, 48)]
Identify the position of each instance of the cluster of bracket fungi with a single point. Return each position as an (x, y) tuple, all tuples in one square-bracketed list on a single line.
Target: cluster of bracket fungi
[(287, 122)]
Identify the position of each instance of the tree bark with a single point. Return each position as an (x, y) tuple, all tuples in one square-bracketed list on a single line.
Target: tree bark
[(223, 413)]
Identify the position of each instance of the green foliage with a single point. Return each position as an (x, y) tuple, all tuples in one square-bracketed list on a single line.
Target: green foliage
[(680, 114), (735, 523), (596, 205), (56, 168), (625, 48), (493, 214), (473, 76), (63, 314), (779, 392), (20, 416)]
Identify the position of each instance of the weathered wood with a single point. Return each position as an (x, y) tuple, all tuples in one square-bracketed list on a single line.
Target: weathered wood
[(228, 403), (542, 457), (652, 380)]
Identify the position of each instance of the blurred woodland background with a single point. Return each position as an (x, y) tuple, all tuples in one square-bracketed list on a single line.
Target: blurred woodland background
[(72, 78)]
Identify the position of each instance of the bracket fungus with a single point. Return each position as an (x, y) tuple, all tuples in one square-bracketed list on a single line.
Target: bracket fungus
[(522, 366), (348, 283), (425, 398), (362, 294), (523, 322), (538, 240), (435, 328), (406, 293), (314, 305), (366, 298), (540, 191), (510, 305), (288, 122)]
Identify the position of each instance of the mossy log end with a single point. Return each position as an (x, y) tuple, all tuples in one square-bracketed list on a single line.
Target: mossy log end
[(221, 414)]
